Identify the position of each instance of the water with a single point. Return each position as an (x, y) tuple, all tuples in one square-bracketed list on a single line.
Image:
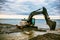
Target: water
[(41, 23)]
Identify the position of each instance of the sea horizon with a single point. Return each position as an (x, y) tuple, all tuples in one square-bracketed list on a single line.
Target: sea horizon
[(41, 23)]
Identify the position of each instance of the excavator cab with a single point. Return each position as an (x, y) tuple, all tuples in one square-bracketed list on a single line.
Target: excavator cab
[(25, 22), (33, 21)]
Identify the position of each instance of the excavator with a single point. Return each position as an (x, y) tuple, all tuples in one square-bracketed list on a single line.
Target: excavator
[(30, 22)]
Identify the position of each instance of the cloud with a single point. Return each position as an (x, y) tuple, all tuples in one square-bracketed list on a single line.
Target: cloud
[(7, 13), (27, 6)]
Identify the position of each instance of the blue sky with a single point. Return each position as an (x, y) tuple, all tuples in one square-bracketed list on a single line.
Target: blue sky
[(25, 7)]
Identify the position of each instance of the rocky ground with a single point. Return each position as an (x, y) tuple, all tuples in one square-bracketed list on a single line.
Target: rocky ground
[(10, 32), (48, 36), (13, 36)]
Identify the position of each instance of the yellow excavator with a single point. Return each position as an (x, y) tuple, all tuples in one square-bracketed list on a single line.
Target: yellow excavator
[(30, 22)]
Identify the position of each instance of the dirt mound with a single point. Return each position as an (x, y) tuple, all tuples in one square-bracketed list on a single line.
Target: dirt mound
[(48, 36)]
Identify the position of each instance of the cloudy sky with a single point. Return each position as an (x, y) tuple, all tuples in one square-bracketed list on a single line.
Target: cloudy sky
[(25, 7)]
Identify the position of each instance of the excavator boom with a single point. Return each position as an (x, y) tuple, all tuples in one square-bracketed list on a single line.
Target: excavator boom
[(50, 23)]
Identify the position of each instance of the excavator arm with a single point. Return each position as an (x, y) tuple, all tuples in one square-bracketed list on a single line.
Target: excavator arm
[(50, 23), (37, 12)]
